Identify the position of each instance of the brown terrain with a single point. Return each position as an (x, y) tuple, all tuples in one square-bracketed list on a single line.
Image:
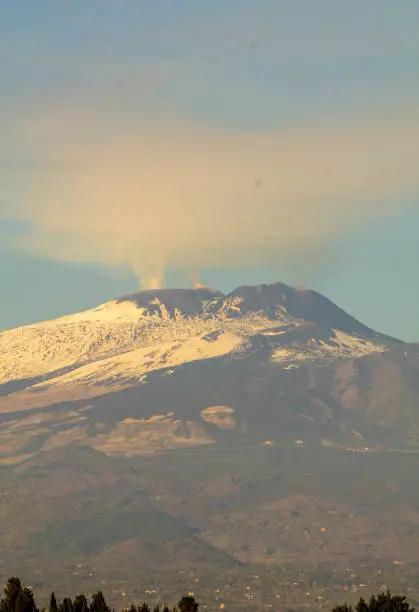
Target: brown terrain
[(258, 449)]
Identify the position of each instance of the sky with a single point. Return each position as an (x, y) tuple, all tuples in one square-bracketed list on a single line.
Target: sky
[(147, 144)]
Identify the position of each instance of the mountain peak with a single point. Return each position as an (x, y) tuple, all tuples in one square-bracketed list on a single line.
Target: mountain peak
[(184, 325), (186, 301), (298, 303), (271, 300)]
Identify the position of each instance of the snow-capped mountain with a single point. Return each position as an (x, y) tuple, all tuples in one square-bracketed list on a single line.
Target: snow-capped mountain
[(190, 429), (170, 365), (127, 338)]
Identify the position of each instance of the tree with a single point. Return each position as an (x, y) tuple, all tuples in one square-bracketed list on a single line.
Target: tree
[(16, 598), (98, 603), (384, 602), (362, 606), (67, 605), (188, 604), (53, 607), (80, 604), (11, 593), (25, 601)]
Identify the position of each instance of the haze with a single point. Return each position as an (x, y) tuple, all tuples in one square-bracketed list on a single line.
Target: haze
[(244, 138)]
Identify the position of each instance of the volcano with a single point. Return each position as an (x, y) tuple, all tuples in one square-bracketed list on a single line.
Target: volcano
[(190, 432)]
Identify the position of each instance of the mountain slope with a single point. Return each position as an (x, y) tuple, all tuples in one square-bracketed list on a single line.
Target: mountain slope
[(157, 318), (261, 433)]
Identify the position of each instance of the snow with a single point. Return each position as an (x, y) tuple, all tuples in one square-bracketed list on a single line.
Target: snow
[(109, 330), (136, 363), (340, 345), (119, 341)]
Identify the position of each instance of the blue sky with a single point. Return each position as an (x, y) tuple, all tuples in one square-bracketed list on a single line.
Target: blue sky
[(86, 87)]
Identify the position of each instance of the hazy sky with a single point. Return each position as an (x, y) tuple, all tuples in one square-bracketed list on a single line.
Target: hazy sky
[(143, 143)]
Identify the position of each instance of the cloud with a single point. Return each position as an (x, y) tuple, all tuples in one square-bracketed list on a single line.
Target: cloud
[(153, 193), (259, 62)]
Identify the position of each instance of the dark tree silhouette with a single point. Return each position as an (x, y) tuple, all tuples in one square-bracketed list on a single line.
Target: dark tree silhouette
[(67, 605), (53, 607), (98, 603), (16, 598), (188, 604), (25, 601), (384, 602), (80, 604), (11, 594)]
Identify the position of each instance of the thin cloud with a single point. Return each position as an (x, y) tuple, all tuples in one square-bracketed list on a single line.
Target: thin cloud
[(155, 194)]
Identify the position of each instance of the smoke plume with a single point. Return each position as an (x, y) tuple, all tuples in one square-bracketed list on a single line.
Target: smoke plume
[(156, 194)]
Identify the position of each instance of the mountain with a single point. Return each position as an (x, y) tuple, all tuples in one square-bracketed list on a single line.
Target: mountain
[(193, 438)]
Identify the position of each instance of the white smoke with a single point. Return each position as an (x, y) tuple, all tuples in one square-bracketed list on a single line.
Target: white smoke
[(159, 194)]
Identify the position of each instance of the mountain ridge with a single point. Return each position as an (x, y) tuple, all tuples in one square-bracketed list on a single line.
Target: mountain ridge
[(219, 322), (250, 429)]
